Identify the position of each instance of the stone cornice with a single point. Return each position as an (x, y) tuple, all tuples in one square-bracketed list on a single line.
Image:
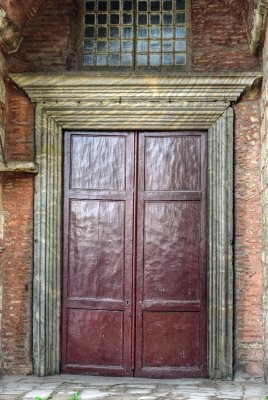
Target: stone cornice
[(258, 25), (94, 86), (10, 36), (138, 101)]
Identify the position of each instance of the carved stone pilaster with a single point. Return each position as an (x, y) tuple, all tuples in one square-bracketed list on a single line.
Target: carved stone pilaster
[(220, 247)]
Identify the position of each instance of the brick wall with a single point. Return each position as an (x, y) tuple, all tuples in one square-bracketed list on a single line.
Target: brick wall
[(2, 135), (49, 40), (18, 219), (220, 39), (264, 186), (17, 278), (248, 240)]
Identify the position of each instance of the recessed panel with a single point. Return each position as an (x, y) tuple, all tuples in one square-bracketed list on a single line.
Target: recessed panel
[(170, 339), (97, 163), (172, 163), (171, 251), (96, 249), (95, 337)]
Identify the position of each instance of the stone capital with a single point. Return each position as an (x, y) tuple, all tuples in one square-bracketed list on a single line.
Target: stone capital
[(10, 36), (258, 24)]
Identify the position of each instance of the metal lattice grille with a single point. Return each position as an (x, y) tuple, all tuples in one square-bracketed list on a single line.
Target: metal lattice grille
[(135, 33)]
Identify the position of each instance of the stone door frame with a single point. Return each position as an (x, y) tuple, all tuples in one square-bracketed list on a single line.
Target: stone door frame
[(135, 102)]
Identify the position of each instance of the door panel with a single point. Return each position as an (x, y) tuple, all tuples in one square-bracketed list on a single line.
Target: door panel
[(178, 158), (98, 235), (171, 251), (95, 337), (96, 249), (171, 255), (98, 162), (170, 338)]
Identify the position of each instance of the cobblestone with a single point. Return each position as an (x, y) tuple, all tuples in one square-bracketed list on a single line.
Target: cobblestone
[(62, 387)]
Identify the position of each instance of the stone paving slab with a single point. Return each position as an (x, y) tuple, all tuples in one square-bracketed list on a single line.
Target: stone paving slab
[(63, 387)]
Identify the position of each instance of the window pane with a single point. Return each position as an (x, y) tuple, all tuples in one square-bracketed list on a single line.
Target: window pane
[(108, 32), (166, 24), (157, 28)]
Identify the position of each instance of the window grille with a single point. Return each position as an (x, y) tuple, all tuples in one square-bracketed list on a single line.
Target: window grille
[(140, 33)]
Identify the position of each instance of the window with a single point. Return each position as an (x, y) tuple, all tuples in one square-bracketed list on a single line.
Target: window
[(140, 33)]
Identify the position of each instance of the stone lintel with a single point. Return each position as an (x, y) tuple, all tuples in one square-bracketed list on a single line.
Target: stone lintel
[(10, 36)]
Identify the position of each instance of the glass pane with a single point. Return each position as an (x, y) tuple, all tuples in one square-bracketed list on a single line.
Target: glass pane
[(142, 32), (102, 32), (126, 59), (180, 59), (167, 32), (142, 46), (180, 18), (127, 47), (88, 59), (167, 19), (114, 45), (101, 59), (180, 32), (167, 45), (155, 19), (127, 33), (89, 32), (102, 5), (142, 6), (167, 5), (155, 33), (155, 5), (180, 45), (101, 47), (115, 5), (114, 59), (127, 5), (90, 5), (90, 19), (167, 59), (180, 5), (114, 19), (155, 60), (127, 19), (155, 46), (114, 32), (142, 60), (102, 19), (89, 45)]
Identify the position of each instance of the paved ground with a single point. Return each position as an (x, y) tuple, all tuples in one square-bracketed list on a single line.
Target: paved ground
[(90, 388)]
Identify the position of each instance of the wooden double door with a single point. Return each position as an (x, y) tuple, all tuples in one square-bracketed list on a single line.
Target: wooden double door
[(134, 270)]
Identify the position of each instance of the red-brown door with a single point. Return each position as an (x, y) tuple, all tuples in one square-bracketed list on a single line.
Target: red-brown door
[(134, 288), (98, 229), (171, 256)]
